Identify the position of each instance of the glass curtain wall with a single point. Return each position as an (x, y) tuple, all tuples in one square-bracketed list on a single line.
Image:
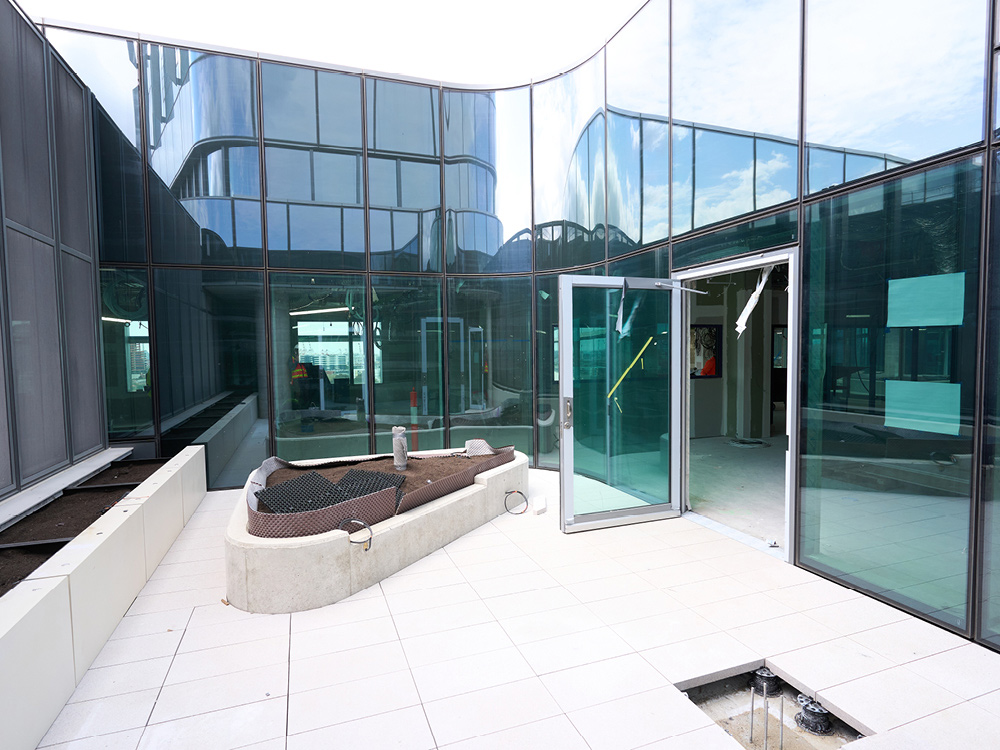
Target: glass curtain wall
[(487, 156), (638, 87), (489, 361), (989, 625), (735, 108), (896, 97), (313, 166), (889, 373), (569, 175), (404, 176)]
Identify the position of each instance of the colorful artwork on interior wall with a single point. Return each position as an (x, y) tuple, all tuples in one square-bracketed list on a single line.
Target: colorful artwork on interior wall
[(706, 351)]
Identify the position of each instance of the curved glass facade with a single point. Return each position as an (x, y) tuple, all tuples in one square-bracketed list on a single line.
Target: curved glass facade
[(316, 256)]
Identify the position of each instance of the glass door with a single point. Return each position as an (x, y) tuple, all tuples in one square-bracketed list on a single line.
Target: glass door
[(615, 401)]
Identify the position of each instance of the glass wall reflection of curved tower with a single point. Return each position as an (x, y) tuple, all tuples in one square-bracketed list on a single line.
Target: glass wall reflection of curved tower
[(295, 259)]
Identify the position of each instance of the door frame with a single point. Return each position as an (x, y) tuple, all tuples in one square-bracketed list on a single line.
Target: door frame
[(567, 522), (792, 257)]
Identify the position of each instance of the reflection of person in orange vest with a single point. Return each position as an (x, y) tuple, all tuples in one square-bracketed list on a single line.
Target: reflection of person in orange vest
[(709, 367)]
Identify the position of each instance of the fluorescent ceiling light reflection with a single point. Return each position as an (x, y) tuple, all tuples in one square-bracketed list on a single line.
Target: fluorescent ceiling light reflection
[(116, 320), (317, 312)]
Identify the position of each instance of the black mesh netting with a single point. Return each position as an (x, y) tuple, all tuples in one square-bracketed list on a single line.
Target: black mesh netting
[(311, 491), (307, 492)]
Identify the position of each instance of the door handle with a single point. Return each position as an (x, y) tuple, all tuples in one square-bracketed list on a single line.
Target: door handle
[(568, 411)]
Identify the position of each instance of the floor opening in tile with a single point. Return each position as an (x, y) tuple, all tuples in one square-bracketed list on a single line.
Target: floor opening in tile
[(781, 720)]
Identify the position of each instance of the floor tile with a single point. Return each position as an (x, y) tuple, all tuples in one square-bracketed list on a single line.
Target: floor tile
[(220, 730), (217, 613), (104, 716), (121, 679), (216, 693), (499, 569), (573, 650), (708, 591), (512, 584), (405, 728), (589, 571), (655, 560), (453, 644), (465, 674), (351, 700), (706, 738), (968, 671), (638, 719), (341, 613), (608, 588), (479, 713), (547, 734), (815, 593), (138, 648), (621, 609), (959, 727), (824, 665), (530, 602), (783, 634), (705, 659), (907, 640), (128, 740), (854, 615), (602, 681), (242, 631), (212, 662), (344, 666), (422, 581), (540, 625), (342, 637), (414, 601), (157, 622), (886, 699), (440, 619), (989, 702), (490, 553), (660, 630), (742, 610)]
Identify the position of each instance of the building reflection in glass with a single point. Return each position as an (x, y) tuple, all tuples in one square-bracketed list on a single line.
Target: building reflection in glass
[(313, 167), (201, 113)]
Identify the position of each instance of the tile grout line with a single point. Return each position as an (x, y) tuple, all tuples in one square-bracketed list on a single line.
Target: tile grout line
[(163, 684)]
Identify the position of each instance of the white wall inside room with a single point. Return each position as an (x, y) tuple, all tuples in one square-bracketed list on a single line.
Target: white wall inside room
[(738, 404)]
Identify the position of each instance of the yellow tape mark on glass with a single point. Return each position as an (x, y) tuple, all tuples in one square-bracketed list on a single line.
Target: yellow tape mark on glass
[(648, 341)]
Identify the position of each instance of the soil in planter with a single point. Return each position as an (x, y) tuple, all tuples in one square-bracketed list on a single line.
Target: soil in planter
[(418, 472), (125, 472), (64, 517)]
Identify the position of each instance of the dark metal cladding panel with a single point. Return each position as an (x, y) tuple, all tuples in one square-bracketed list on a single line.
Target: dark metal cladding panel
[(71, 160), (37, 364), (23, 124), (86, 397)]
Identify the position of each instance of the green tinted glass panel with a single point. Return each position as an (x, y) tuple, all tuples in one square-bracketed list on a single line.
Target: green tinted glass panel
[(547, 356), (772, 231), (889, 390), (408, 361), (319, 338), (621, 399)]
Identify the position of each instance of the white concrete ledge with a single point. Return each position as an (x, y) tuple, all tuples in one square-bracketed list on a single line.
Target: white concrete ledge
[(222, 439), (291, 575), (55, 622)]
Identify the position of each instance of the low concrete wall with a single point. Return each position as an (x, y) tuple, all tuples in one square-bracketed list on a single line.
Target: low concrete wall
[(292, 575), (223, 438), (55, 622)]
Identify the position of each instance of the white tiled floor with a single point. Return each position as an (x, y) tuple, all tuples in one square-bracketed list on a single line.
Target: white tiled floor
[(517, 636)]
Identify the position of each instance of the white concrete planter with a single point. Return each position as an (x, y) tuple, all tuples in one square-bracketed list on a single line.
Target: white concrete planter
[(291, 575), (55, 622)]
